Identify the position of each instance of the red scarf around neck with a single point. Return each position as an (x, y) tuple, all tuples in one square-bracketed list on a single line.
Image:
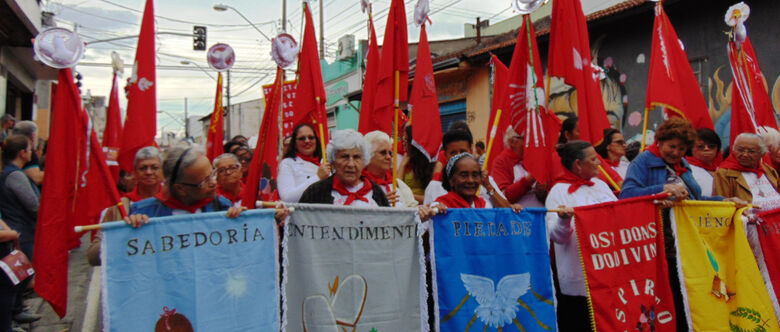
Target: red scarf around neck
[(575, 181), (311, 159), (731, 163), (455, 201), (386, 182), (352, 196), (678, 167), (696, 162), (233, 198), (175, 204)]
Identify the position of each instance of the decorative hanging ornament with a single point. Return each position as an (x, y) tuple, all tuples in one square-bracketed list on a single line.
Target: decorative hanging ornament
[(59, 47), (736, 17), (527, 6), (284, 50), (220, 57), (421, 11), (117, 63), (365, 5)]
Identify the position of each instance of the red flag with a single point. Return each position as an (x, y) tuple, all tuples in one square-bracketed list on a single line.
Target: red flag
[(769, 236), (424, 103), (141, 121), (395, 59), (112, 133), (216, 133), (500, 77), (368, 122), (671, 83), (750, 103), (569, 58), (625, 265), (310, 97), (77, 187), (527, 108), (287, 105), (262, 172)]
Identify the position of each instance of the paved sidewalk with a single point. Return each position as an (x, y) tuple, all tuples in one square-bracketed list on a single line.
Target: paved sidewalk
[(79, 276)]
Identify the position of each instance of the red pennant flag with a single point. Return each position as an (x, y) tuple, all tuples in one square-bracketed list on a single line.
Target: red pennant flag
[(310, 97), (367, 120), (527, 107), (769, 236), (216, 134), (500, 77), (112, 133), (671, 83), (395, 59), (78, 186), (625, 265), (569, 58), (262, 172), (751, 106), (287, 106), (141, 121), (424, 103)]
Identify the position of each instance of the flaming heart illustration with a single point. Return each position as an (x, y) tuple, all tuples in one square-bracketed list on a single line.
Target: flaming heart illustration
[(341, 310)]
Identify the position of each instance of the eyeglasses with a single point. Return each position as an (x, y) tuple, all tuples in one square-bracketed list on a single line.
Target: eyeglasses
[(305, 138), (742, 150), (619, 142), (706, 146), (153, 168), (226, 170), (203, 183), (384, 152)]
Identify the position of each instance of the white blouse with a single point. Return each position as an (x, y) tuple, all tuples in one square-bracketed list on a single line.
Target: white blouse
[(295, 175)]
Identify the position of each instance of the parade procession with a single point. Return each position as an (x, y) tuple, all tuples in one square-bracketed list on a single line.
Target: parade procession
[(537, 165)]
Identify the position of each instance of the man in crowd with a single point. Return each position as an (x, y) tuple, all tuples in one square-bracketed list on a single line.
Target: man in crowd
[(147, 172), (7, 122)]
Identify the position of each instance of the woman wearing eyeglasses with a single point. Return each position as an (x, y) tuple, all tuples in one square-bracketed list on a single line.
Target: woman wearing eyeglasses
[(612, 149), (301, 165), (229, 173), (147, 172), (743, 174), (705, 158)]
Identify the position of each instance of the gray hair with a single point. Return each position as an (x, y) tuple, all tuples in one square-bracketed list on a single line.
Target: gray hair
[(147, 152), (508, 134), (742, 136), (26, 128), (770, 136), (344, 140), (7, 117), (185, 156), (374, 138), (225, 156)]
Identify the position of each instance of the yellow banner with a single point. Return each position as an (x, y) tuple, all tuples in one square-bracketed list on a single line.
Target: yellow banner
[(725, 291)]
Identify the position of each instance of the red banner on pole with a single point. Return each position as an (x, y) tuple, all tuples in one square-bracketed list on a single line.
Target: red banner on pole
[(625, 265), (287, 107), (769, 237)]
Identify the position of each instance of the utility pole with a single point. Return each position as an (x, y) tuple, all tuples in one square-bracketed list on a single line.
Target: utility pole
[(284, 15), (186, 120), (228, 103), (322, 31)]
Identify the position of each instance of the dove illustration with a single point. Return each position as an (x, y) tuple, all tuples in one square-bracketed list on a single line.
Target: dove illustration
[(497, 306), (61, 50)]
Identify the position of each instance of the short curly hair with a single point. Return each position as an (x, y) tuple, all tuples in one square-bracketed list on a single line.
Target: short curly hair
[(676, 128)]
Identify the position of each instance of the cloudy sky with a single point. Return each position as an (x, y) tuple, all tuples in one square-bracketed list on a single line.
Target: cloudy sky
[(103, 19)]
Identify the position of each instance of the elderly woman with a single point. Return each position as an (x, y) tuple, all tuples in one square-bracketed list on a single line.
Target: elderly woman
[(379, 170), (229, 173), (704, 159), (771, 138), (301, 165), (348, 153), (462, 178), (19, 196), (577, 186), (612, 149), (517, 184), (148, 174), (743, 174)]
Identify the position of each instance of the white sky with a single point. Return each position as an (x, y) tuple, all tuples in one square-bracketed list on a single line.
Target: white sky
[(102, 19)]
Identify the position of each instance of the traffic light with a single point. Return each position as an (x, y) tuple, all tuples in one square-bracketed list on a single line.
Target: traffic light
[(199, 38)]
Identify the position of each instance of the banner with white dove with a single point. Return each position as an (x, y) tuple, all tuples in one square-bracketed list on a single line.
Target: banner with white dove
[(491, 271), (353, 269), (195, 272)]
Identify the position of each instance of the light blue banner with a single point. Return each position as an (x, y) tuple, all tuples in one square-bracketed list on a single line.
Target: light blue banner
[(197, 272), (492, 271)]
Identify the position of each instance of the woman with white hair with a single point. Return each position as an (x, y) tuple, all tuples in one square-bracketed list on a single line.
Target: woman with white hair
[(517, 184), (771, 138), (148, 174), (743, 175), (347, 153), (379, 170), (229, 174)]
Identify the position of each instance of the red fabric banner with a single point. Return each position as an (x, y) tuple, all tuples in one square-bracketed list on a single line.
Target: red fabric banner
[(500, 77), (368, 122), (141, 121), (112, 133), (261, 180), (310, 96), (769, 237), (625, 265), (750, 103), (216, 133), (395, 58), (287, 104), (671, 83), (569, 58), (424, 103)]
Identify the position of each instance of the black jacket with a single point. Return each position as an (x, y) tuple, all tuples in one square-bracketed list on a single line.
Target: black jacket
[(319, 192)]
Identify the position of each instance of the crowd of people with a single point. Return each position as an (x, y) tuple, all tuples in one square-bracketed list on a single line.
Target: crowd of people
[(356, 170)]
